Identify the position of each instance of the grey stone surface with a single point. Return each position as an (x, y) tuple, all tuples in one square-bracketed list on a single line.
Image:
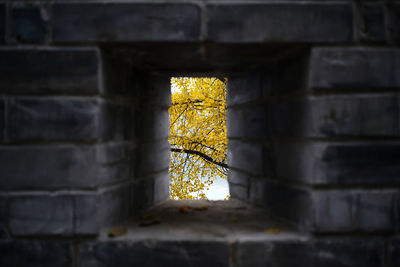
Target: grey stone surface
[(332, 116), (243, 89), (347, 252), (2, 23), (87, 208), (396, 27), (354, 68), (41, 215), (65, 166), (143, 194), (369, 163), (334, 163), (348, 210), (153, 157), (116, 204), (154, 89), (2, 120), (152, 123), (244, 156), (394, 252), (287, 202), (153, 253), (28, 25), (35, 253), (372, 21), (324, 252), (62, 119), (126, 22), (116, 122), (161, 187), (280, 22), (246, 122), (274, 253), (49, 70), (3, 216)]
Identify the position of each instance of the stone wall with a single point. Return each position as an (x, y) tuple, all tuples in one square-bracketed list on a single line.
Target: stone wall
[(313, 119)]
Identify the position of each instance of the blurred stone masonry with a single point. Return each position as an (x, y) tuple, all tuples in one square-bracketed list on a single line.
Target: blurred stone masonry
[(313, 126)]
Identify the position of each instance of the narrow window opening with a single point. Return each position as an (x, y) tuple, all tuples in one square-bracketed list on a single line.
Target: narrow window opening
[(198, 140)]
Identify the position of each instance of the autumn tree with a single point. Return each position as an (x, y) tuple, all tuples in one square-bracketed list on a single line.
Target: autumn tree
[(197, 136)]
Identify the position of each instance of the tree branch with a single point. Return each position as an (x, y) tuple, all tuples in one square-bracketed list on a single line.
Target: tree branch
[(200, 154)]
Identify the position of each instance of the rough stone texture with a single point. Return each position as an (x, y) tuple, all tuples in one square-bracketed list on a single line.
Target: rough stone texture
[(43, 215), (65, 166), (63, 119), (50, 70), (290, 203), (242, 90), (28, 25), (2, 23), (348, 252), (328, 252), (125, 22), (153, 124), (152, 158), (152, 253), (2, 120), (359, 164), (246, 122), (280, 22), (35, 253), (394, 252), (247, 157), (334, 163), (396, 27), (348, 210), (327, 116), (372, 21), (355, 68), (161, 187)]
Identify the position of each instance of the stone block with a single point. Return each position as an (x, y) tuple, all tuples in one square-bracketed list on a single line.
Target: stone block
[(126, 22), (152, 123), (35, 253), (153, 158), (28, 25), (53, 119), (334, 163), (41, 215), (290, 74), (2, 23), (285, 253), (2, 120), (161, 187), (243, 89), (154, 89), (273, 22), (246, 122), (116, 122), (143, 194), (116, 204), (49, 70), (394, 252), (3, 216), (354, 68), (334, 116), (238, 192), (341, 251), (246, 157), (351, 210), (65, 166), (371, 22), (152, 253), (87, 213), (396, 10), (287, 202), (369, 163)]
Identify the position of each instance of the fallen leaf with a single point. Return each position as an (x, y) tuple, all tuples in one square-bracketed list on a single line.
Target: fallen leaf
[(184, 209), (202, 208), (234, 219), (273, 230), (117, 231), (149, 222), (145, 217)]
